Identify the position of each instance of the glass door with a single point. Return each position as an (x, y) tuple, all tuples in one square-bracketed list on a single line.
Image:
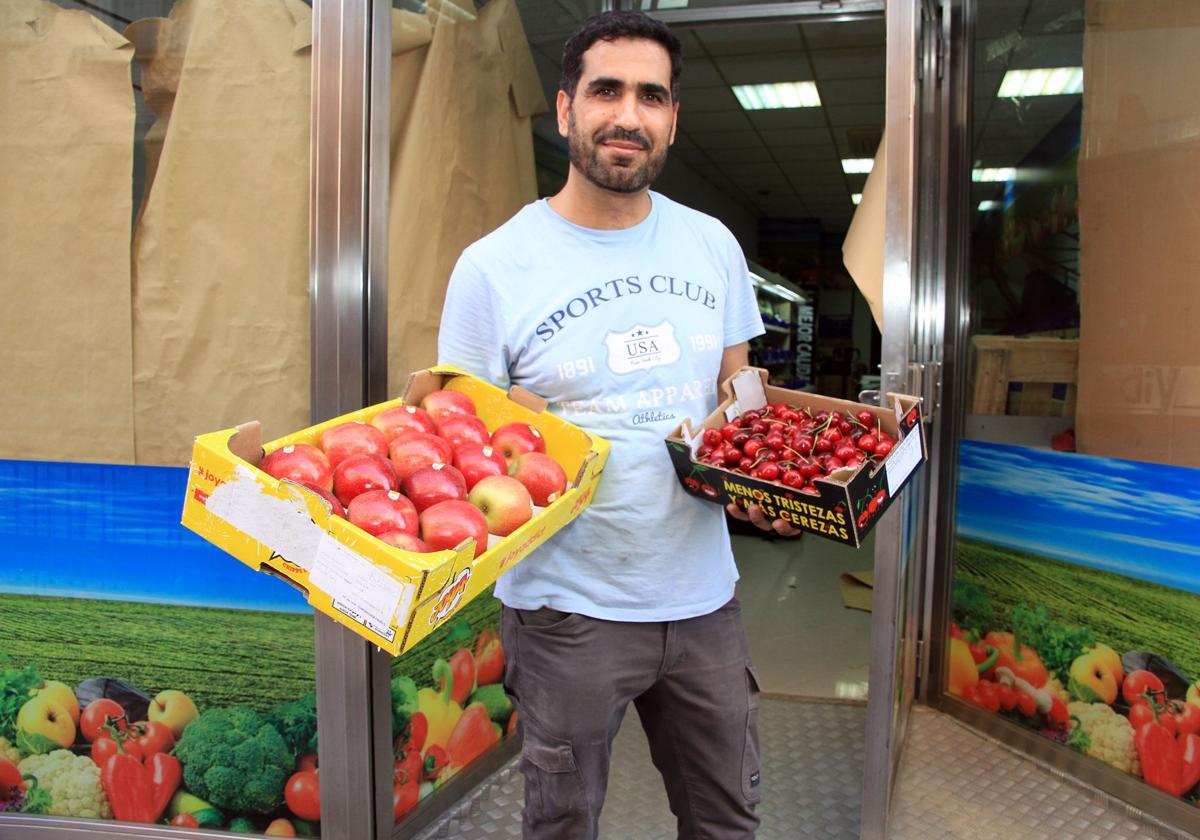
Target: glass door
[(911, 336)]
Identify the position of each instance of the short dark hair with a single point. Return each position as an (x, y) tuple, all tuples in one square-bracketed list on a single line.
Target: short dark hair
[(609, 26)]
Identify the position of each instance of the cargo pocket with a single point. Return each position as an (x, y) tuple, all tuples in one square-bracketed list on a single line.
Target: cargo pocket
[(751, 764), (552, 778)]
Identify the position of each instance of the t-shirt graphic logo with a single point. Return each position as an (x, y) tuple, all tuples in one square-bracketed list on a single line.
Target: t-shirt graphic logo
[(642, 348)]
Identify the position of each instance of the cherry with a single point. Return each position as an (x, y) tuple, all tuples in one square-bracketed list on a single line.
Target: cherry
[(867, 443), (834, 463), (774, 440), (823, 445), (712, 436), (792, 478), (768, 471), (866, 418), (802, 444), (845, 427), (745, 464), (758, 427), (752, 446), (740, 437), (845, 452), (883, 448)]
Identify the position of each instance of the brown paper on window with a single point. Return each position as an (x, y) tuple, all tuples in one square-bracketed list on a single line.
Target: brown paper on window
[(862, 250), (221, 323), (463, 161), (66, 151), (1139, 182)]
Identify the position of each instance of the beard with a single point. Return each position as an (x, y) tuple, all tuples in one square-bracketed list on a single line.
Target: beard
[(620, 176)]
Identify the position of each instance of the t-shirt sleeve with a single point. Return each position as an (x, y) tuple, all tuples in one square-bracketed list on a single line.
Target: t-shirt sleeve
[(471, 335), (742, 318)]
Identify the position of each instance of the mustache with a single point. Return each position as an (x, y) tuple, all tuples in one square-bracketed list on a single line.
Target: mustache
[(624, 136)]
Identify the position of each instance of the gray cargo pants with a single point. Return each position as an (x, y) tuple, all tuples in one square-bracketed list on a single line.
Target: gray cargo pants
[(571, 679)]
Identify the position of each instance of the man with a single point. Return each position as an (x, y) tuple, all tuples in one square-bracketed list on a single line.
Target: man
[(624, 310)]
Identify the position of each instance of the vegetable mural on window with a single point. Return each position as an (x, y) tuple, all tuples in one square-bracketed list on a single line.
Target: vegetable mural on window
[(1076, 598)]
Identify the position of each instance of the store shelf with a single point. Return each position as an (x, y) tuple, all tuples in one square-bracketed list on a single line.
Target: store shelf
[(774, 328)]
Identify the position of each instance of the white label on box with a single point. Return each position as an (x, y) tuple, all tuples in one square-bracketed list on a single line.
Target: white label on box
[(748, 389), (358, 587), (283, 525), (903, 460)]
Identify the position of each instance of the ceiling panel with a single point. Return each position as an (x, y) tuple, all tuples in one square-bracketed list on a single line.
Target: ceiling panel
[(706, 99), (690, 43), (728, 140), (852, 63), (800, 143), (1050, 16), (788, 118), (747, 170), (853, 91), (1039, 110), (1064, 50), (700, 122), (763, 69), (699, 74), (813, 165), (754, 39), (755, 154), (847, 116), (858, 33), (998, 17)]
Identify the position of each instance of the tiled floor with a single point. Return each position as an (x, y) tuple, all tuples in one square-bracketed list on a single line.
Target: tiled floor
[(804, 642)]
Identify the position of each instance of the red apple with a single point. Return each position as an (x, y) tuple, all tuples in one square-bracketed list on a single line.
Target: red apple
[(440, 403), (504, 503), (542, 476), (475, 462), (413, 450), (346, 440), (335, 505), (300, 463), (400, 418), (408, 542), (427, 486), (461, 429), (513, 439), (360, 473), (447, 524), (380, 511)]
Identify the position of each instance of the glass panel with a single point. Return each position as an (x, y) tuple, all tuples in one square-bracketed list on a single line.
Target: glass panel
[(1076, 590), (154, 247)]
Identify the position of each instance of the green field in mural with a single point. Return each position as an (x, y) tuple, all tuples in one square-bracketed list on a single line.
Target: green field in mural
[(1124, 613), (218, 657)]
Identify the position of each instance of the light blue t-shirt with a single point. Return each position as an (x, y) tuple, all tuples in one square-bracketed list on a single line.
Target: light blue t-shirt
[(622, 332)]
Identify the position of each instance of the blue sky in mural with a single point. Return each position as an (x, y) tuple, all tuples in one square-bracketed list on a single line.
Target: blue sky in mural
[(105, 531), (1137, 519)]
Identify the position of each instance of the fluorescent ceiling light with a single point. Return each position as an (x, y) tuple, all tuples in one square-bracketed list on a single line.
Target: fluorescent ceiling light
[(1046, 81), (994, 174), (778, 95), (855, 198), (989, 205), (857, 166)]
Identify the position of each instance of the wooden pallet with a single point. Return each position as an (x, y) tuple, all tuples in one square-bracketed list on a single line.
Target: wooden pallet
[(1037, 363)]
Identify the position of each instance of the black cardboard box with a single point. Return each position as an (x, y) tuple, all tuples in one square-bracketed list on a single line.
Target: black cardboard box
[(850, 501)]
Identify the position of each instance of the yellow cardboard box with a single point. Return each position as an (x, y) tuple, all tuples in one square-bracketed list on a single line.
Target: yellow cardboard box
[(392, 598)]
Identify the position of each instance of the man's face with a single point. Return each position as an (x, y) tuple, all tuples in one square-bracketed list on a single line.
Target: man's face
[(621, 120)]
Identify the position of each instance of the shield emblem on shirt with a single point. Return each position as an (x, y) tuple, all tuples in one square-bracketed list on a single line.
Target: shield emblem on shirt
[(642, 347)]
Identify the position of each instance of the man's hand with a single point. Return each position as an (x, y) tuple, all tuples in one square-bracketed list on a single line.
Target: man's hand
[(754, 514)]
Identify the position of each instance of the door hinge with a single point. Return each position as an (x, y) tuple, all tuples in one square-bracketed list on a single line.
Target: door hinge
[(925, 381)]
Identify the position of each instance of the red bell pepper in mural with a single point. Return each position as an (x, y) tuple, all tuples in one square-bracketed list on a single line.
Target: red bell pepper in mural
[(489, 658), (1161, 757), (462, 666), (1190, 748), (138, 792), (434, 763), (1021, 659), (473, 735)]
